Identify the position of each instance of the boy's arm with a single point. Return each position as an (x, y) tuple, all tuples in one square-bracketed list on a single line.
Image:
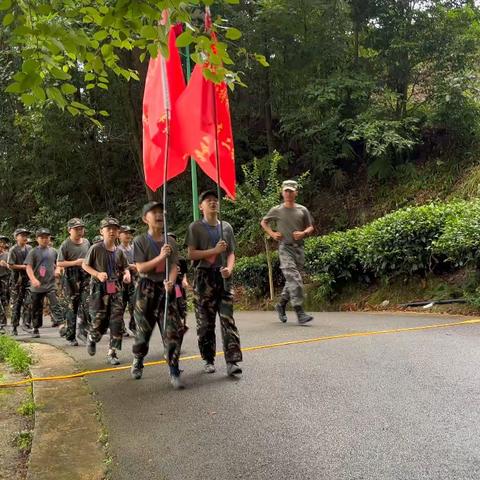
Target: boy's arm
[(33, 279)]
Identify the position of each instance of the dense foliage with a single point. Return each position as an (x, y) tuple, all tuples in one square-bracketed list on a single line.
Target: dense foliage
[(413, 241), (355, 93)]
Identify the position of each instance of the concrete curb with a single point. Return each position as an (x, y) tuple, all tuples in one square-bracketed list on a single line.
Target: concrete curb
[(65, 440)]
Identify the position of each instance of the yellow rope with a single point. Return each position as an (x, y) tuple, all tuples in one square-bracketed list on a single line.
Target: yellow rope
[(246, 349)]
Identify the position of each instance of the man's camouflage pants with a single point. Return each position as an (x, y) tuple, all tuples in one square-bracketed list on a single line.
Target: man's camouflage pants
[(212, 295), (4, 294), (292, 259), (106, 311), (19, 293), (76, 289), (149, 311)]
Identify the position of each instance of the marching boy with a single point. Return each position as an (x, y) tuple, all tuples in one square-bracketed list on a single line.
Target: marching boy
[(19, 286), (212, 286), (126, 236), (76, 281), (108, 267), (41, 265), (150, 252)]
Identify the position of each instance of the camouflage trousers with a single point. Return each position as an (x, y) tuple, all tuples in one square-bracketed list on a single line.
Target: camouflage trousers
[(128, 297), (150, 311), (212, 296), (4, 294), (56, 311), (106, 311), (20, 300), (292, 259), (76, 291)]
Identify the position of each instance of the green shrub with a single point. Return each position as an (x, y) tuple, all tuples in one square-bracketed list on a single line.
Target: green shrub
[(334, 254), (252, 273), (401, 243), (460, 241)]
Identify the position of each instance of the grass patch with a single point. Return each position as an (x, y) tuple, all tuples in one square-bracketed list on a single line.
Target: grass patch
[(23, 441), (14, 355), (28, 407)]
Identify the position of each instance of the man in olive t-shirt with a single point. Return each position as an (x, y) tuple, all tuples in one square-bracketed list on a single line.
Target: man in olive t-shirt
[(293, 224)]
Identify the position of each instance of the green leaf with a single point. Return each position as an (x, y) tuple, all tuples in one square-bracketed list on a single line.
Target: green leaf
[(101, 35), (74, 111), (14, 88), (79, 105), (5, 4), (39, 93), (90, 86), (8, 19), (104, 113), (233, 34), (184, 39), (28, 99), (261, 60), (89, 76), (30, 65), (68, 88), (102, 85), (54, 94), (149, 32)]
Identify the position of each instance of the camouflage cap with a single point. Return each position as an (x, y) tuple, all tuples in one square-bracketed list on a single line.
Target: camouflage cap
[(291, 185), (126, 229), (109, 222), (97, 239), (19, 231), (75, 222), (4, 238), (43, 232)]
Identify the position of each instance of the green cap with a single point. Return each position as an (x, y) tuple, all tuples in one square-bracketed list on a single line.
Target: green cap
[(109, 222), (291, 185), (75, 222)]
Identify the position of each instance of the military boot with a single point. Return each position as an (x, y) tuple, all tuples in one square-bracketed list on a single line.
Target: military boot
[(280, 307), (137, 368), (302, 317)]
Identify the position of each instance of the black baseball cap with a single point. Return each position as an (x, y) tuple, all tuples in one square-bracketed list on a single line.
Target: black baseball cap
[(150, 206), (19, 231), (43, 231), (109, 222), (207, 193)]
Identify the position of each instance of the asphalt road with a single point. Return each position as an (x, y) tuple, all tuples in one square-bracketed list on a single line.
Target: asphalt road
[(399, 406)]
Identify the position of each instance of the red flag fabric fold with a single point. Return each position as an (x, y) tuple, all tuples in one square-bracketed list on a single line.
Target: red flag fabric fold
[(163, 86), (195, 115)]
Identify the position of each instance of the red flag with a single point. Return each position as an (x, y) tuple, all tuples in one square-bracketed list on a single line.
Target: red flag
[(164, 85), (195, 108)]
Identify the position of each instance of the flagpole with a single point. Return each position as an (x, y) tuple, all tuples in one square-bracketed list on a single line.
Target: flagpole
[(193, 163), (217, 160), (166, 97)]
